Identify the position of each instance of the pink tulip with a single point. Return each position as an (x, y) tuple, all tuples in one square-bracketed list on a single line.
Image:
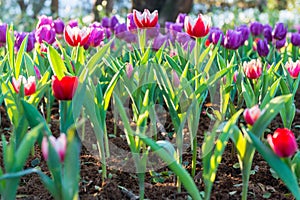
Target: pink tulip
[(59, 144), (176, 80), (253, 69), (145, 19), (235, 75), (29, 84), (283, 142), (198, 27), (252, 114), (293, 68), (129, 70)]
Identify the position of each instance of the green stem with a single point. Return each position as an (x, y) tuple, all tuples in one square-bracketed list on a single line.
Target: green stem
[(142, 39), (246, 168), (141, 178), (48, 106), (66, 118), (194, 156), (106, 142), (196, 56)]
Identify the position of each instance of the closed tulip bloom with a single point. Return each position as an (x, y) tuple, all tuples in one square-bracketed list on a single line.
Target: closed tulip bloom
[(44, 20), (175, 78), (295, 39), (3, 28), (75, 36), (280, 43), (262, 48), (180, 18), (65, 88), (59, 144), (37, 72), (20, 36), (145, 19), (198, 27), (235, 76), (159, 41), (215, 36), (96, 37), (28, 84), (253, 69), (256, 28), (153, 31), (129, 70), (73, 23), (131, 26), (113, 22), (267, 32), (280, 31), (252, 114), (45, 33), (245, 32), (293, 68), (59, 26), (283, 142), (233, 39)]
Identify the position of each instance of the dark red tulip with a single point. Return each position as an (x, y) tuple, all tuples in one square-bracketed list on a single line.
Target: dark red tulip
[(65, 88)]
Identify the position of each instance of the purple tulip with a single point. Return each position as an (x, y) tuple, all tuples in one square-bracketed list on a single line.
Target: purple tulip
[(280, 43), (153, 32), (173, 28), (120, 30), (131, 26), (31, 41), (59, 26), (280, 31), (183, 38), (3, 28), (96, 25), (245, 32), (295, 39), (268, 32), (45, 33), (96, 37), (73, 23), (256, 28), (19, 37), (233, 39), (105, 22), (215, 34), (44, 20), (262, 48), (113, 22), (107, 32), (37, 72), (159, 41), (180, 18)]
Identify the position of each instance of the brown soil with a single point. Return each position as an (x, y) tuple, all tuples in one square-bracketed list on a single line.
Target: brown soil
[(124, 185)]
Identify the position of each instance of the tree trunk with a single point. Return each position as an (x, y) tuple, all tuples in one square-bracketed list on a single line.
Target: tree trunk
[(96, 11), (54, 7), (23, 6)]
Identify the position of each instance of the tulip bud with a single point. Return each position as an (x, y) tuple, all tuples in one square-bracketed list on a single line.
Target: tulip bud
[(176, 80), (59, 144), (280, 31), (130, 23), (29, 84), (44, 20), (129, 70), (293, 68), (280, 43), (283, 142), (253, 69), (235, 75), (198, 27), (159, 41), (262, 48), (252, 114), (37, 72), (65, 88), (3, 28), (256, 28), (233, 39), (180, 18), (295, 39), (45, 33), (59, 26), (245, 32), (267, 32)]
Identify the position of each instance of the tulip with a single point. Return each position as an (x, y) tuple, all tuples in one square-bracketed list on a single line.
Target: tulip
[(130, 23), (295, 39), (96, 37), (280, 31), (75, 36), (3, 28), (45, 33), (20, 37), (293, 68), (159, 41), (233, 39), (280, 43), (59, 26), (129, 70), (180, 18), (113, 22), (145, 19), (175, 78), (262, 48), (283, 142), (65, 88), (267, 32), (252, 114), (59, 144), (245, 32), (37, 72), (73, 23), (253, 69), (215, 36), (198, 27), (28, 84), (153, 31), (256, 28), (44, 20), (235, 76)]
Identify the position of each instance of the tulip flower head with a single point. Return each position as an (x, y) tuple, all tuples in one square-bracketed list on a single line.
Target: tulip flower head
[(3, 28), (129, 70), (198, 27), (180, 18), (131, 26), (145, 19), (45, 33), (59, 26), (262, 47), (65, 88), (59, 144), (175, 78), (253, 69), (283, 142), (256, 28), (252, 114), (280, 31), (295, 39), (293, 68), (267, 32), (75, 36), (233, 39), (29, 84)]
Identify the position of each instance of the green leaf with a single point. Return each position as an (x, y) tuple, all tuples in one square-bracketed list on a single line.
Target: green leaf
[(283, 171), (173, 64), (20, 57), (271, 93), (56, 63), (10, 46)]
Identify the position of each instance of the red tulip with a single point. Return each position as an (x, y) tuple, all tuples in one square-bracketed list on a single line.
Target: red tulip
[(198, 27), (59, 144), (293, 68), (145, 19), (252, 114), (283, 142), (65, 88), (75, 36), (253, 69), (29, 84)]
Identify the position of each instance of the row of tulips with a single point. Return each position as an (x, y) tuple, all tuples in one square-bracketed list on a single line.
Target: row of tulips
[(134, 65)]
